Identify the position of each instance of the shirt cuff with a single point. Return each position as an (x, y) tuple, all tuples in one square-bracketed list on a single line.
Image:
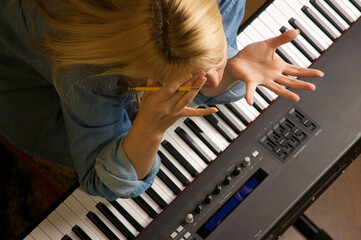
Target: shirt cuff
[(118, 174)]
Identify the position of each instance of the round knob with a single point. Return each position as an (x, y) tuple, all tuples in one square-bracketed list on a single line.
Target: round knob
[(227, 180), (189, 218), (237, 170), (199, 208), (209, 198), (218, 189), (246, 161)]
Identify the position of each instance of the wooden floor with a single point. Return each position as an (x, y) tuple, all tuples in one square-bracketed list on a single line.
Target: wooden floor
[(338, 210)]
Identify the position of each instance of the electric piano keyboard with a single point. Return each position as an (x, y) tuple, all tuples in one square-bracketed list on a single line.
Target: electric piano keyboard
[(246, 172)]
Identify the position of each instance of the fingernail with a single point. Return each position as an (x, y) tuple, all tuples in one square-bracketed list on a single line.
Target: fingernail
[(298, 30), (322, 74)]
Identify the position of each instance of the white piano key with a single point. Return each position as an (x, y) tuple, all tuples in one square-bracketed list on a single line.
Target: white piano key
[(230, 130), (267, 20), (295, 11), (150, 202), (270, 92), (234, 118), (73, 236), (255, 36), (344, 9), (163, 190), (351, 9), (137, 212), (329, 25), (84, 199), (172, 177), (184, 149), (246, 110), (263, 32), (62, 225), (176, 163), (116, 214), (29, 237), (196, 139), (251, 109), (244, 39), (207, 128), (37, 233), (282, 20), (274, 24), (73, 220), (334, 14), (72, 203), (263, 29), (50, 230), (184, 145), (290, 10), (260, 99), (295, 51)]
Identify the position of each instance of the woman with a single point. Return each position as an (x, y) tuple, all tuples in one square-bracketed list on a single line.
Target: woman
[(67, 67)]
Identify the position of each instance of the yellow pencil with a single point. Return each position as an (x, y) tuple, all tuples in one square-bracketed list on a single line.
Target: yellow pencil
[(182, 88)]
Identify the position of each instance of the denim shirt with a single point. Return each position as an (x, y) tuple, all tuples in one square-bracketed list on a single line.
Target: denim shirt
[(85, 128)]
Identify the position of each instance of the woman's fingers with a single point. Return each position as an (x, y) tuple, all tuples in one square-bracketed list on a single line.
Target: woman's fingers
[(281, 91), (188, 96), (197, 112), (301, 72), (250, 89), (295, 83)]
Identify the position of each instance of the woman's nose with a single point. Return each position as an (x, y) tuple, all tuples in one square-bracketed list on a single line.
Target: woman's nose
[(212, 79)]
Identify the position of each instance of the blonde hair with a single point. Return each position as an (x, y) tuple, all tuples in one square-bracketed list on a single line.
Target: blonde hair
[(135, 38)]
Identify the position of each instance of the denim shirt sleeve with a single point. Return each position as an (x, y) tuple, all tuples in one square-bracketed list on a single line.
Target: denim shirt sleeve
[(96, 123), (232, 14)]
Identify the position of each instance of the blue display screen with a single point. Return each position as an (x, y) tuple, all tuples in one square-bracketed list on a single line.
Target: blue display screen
[(232, 203)]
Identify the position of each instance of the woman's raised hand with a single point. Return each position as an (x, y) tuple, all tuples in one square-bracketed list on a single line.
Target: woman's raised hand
[(257, 64)]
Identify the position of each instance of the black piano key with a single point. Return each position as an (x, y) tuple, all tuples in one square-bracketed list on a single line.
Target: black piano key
[(101, 225), (66, 237), (257, 105), (157, 199), (173, 151), (307, 35), (145, 206), (325, 12), (114, 220), (318, 21), (80, 233), (127, 216), (239, 113), (357, 4), (227, 119), (219, 127), (300, 46), (340, 11), (264, 94), (192, 144), (203, 136), (168, 164), (172, 186)]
